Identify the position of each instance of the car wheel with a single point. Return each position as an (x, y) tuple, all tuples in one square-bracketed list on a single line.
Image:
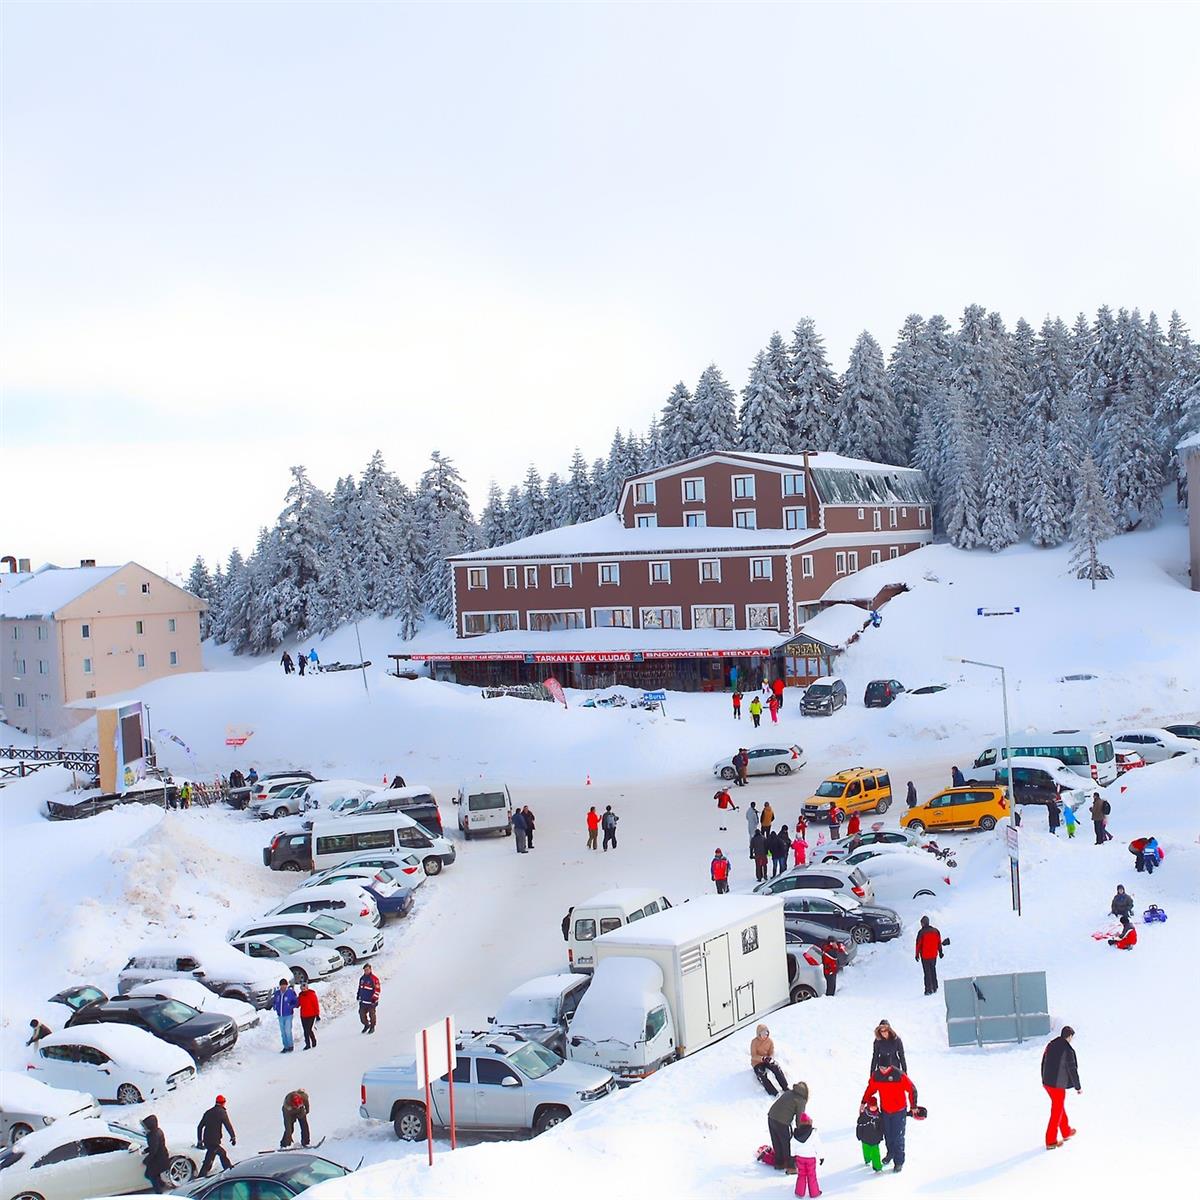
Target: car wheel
[(802, 992), (409, 1123), (299, 975), (508, 831), (862, 934), (291, 866), (128, 1094), (180, 1170), (281, 812), (987, 823), (829, 858), (782, 769), (549, 1117), (883, 806), (917, 827), (28, 1196), (18, 1131), (433, 865), (348, 955), (922, 892), (727, 773)]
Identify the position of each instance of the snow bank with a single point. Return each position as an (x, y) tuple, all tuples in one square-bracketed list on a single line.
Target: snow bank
[(23, 1093)]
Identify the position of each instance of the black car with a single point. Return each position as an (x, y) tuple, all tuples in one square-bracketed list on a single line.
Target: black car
[(277, 1175), (201, 1034), (1031, 785), (1192, 732), (881, 692), (859, 922), (823, 697)]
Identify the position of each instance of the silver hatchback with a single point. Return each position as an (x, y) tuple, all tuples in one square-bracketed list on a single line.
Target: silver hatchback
[(837, 879)]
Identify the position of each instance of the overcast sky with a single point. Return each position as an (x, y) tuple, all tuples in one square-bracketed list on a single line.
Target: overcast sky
[(237, 236)]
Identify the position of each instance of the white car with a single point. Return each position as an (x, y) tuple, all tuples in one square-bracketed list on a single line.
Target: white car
[(899, 873), (305, 963), (379, 879), (347, 901), (881, 839), (1154, 745), (770, 758), (191, 991), (280, 800), (114, 1062), (336, 793), (404, 866), (27, 1105), (219, 967), (81, 1157), (352, 942)]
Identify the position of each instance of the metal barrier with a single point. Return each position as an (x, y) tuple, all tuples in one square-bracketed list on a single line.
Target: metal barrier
[(996, 1008)]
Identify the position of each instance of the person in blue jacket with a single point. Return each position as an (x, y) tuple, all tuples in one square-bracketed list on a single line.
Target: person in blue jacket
[(284, 1002), (956, 778)]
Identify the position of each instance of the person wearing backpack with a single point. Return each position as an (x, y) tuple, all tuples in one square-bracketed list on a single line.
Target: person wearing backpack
[(608, 823), (718, 872)]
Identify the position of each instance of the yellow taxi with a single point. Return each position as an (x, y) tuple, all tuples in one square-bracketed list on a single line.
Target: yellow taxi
[(857, 789), (976, 806)]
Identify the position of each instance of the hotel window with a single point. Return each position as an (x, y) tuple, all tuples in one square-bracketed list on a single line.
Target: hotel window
[(560, 576), (862, 516), (693, 491), (712, 616), (661, 618), (710, 570), (695, 520), (87, 666), (476, 578), (894, 552), (43, 667), (643, 493), (552, 622), (170, 624), (743, 487), (20, 665), (806, 566), (41, 633), (876, 557), (876, 519), (141, 662), (90, 695), (44, 697), (647, 522), (85, 631), (793, 485), (612, 618), (660, 572), (760, 568), (745, 518), (610, 573), (174, 658), (145, 589), (20, 699), (795, 518), (904, 512), (762, 616), (852, 561), (139, 627), (839, 563), (893, 516), (17, 633), (922, 516), (489, 622), (531, 577), (510, 577)]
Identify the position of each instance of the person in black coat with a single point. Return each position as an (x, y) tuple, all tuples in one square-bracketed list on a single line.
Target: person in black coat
[(155, 1158), (911, 798), (1060, 1070), (758, 852), (887, 1056), (1122, 903), (209, 1133)]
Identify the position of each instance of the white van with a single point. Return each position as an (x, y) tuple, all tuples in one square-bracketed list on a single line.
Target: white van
[(603, 913), (334, 841), (1088, 752), (484, 807)]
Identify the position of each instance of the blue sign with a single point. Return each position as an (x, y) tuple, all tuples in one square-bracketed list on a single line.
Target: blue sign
[(638, 656), (530, 660), (660, 696)]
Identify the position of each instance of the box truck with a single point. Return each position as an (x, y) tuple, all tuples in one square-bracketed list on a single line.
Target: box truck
[(678, 981)]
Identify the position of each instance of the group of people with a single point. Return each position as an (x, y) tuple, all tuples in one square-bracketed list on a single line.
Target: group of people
[(286, 1002), (606, 822), (523, 826), (774, 694), (302, 662)]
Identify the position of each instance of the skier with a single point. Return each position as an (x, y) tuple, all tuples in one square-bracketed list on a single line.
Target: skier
[(528, 825), (768, 817), (593, 827), (310, 1014), (724, 803), (887, 1054), (737, 706), (286, 660), (756, 711), (210, 1133), (301, 664), (762, 1061), (1122, 903), (1052, 820), (779, 851), (284, 1003), (758, 852), (897, 1097), (37, 1031), (368, 1000), (799, 850), (1128, 938), (1060, 1070), (780, 1117), (870, 1132), (956, 778), (777, 692), (853, 826), (608, 823), (911, 798), (155, 1158), (295, 1112), (718, 872), (830, 964), (773, 708), (806, 1157), (928, 951), (752, 820), (520, 826), (1069, 819)]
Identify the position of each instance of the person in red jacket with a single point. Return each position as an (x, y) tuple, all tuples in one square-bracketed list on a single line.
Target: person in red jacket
[(929, 950), (897, 1098), (310, 1014), (724, 804), (1128, 938), (854, 826), (777, 692), (835, 821), (719, 872), (593, 827), (829, 965)]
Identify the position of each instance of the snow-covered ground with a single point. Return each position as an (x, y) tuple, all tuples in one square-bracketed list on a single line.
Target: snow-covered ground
[(77, 897)]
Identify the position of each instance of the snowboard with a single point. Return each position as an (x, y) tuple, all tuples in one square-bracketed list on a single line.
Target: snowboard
[(294, 1149)]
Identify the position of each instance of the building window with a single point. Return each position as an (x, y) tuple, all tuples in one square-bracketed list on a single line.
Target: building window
[(43, 667), (695, 520), (85, 631), (760, 568), (44, 697), (862, 516), (876, 519), (745, 518), (90, 695), (922, 516), (793, 485), (894, 552), (20, 665), (141, 662), (20, 699), (612, 618), (839, 563), (806, 612), (552, 622), (87, 666), (643, 493), (710, 570), (510, 577), (489, 622), (876, 557), (893, 516), (610, 573), (660, 572), (693, 491), (145, 589), (174, 658), (476, 579), (806, 566), (17, 633), (171, 625), (560, 576), (649, 521), (661, 618), (762, 616), (139, 627), (743, 487), (712, 616), (852, 561), (531, 577), (904, 512), (795, 518), (41, 633)]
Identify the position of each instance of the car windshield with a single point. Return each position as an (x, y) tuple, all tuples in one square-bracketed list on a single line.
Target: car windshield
[(484, 800), (534, 1060), (168, 1014), (285, 944), (831, 788), (329, 924), (818, 690), (85, 995), (344, 803), (528, 1010), (311, 1173)]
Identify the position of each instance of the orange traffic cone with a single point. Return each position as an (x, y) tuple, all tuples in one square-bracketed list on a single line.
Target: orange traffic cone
[(589, 781)]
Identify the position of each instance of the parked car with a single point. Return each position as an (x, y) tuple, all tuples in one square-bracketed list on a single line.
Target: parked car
[(861, 923), (841, 880), (303, 961), (772, 758), (274, 783), (897, 871), (541, 1009), (859, 789), (191, 991), (973, 807), (113, 1062), (928, 689), (347, 901), (392, 898), (351, 941), (806, 979), (202, 1035), (1036, 780), (62, 1006), (81, 1157), (280, 800), (416, 802), (219, 967), (242, 797), (27, 1104), (404, 866), (484, 807), (799, 932), (1154, 745), (1190, 733), (277, 1175), (881, 692), (328, 792), (501, 1082), (838, 851), (338, 840), (823, 697), (1129, 760)]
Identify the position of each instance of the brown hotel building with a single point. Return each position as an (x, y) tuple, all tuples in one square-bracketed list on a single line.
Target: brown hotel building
[(708, 564)]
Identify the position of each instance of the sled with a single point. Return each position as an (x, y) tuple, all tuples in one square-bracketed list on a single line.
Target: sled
[(338, 666), (1152, 914), (765, 1155), (1104, 934)]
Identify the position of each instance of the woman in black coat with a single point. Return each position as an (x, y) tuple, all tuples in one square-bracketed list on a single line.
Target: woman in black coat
[(888, 1052), (155, 1158)]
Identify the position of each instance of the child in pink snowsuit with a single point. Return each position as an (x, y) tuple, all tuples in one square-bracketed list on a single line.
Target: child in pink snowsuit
[(799, 851), (808, 1153)]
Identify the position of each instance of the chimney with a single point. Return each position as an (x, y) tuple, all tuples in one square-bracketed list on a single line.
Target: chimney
[(87, 562)]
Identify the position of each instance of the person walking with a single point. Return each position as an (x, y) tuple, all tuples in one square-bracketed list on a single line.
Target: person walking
[(928, 951), (566, 924), (608, 823), (155, 1158), (762, 1062), (911, 798), (368, 998), (286, 661), (520, 831), (1052, 821), (777, 691), (1099, 810), (779, 851), (869, 1131), (593, 827), (799, 850), (781, 1116), (956, 778), (1069, 819), (529, 822), (295, 1112), (897, 1097), (210, 1133), (752, 819), (284, 1001), (854, 825), (310, 1014), (756, 711), (768, 817), (758, 852), (301, 664), (887, 1054), (724, 804), (830, 964), (313, 660), (809, 1152), (1060, 1070), (718, 872), (737, 706), (773, 709)]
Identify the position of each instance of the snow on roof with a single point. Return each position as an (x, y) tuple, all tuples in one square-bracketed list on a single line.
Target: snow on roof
[(616, 897), (826, 460), (20, 1092), (691, 921), (622, 992), (867, 583), (127, 1044), (836, 625), (436, 641), (50, 588)]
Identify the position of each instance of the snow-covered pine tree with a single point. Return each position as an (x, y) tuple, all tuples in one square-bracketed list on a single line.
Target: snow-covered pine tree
[(301, 545), (512, 514), (276, 605), (200, 584), (1082, 340), (407, 604), (618, 468), (997, 528), (868, 421), (763, 419), (653, 455), (1023, 357), (678, 433), (346, 571), (908, 374), (1091, 523), (443, 515), (599, 478), (1052, 438), (371, 533), (714, 413), (929, 450), (812, 389), (556, 501), (232, 626), (533, 504), (493, 520), (578, 495), (961, 500)]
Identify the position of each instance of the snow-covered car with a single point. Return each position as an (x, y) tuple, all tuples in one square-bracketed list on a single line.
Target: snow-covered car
[(304, 962), (81, 1157), (280, 801), (220, 967), (392, 898), (277, 1175), (405, 866), (270, 786), (1129, 760), (27, 1104), (542, 1008), (348, 901), (841, 879), (926, 689), (114, 1062), (191, 991), (616, 700), (769, 758), (1036, 780), (202, 1035), (898, 873), (1154, 745), (837, 851), (62, 1006), (351, 941), (860, 922), (330, 792)]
